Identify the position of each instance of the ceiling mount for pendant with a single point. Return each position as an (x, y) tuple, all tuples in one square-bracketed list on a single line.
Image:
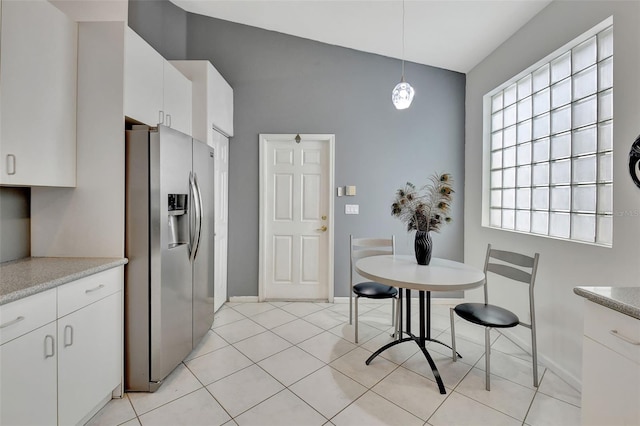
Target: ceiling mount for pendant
[(403, 93)]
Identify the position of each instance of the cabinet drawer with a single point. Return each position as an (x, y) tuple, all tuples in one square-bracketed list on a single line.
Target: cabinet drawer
[(84, 291), (619, 332), (22, 316)]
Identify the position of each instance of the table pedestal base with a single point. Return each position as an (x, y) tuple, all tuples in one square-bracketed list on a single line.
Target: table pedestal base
[(425, 334)]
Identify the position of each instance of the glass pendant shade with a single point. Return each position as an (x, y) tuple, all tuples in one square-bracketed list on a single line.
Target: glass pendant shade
[(402, 95)]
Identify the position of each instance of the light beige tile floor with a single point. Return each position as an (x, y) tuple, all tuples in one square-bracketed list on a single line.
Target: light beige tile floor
[(294, 364)]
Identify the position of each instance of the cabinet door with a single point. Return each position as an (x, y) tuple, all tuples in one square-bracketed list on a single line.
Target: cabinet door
[(610, 387), (177, 99), (220, 98), (38, 72), (28, 378), (143, 80), (89, 357)]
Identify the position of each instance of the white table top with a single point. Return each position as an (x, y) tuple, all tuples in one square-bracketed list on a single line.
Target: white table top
[(403, 271)]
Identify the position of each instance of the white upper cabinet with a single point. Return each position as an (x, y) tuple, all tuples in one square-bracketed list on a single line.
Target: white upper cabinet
[(155, 92), (143, 80), (212, 100), (38, 68), (177, 99)]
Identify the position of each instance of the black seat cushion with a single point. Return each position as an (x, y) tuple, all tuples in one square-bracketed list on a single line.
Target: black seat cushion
[(374, 290), (487, 315)]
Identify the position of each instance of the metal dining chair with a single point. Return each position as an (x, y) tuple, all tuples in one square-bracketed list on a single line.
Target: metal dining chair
[(361, 248), (517, 268)]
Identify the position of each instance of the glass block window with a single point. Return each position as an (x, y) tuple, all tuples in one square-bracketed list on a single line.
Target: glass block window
[(550, 143)]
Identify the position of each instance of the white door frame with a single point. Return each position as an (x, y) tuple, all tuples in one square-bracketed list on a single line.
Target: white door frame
[(263, 142)]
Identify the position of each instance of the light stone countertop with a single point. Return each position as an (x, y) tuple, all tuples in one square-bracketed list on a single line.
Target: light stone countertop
[(625, 300), (25, 277)]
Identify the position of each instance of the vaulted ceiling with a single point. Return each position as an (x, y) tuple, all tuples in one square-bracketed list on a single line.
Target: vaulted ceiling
[(450, 34)]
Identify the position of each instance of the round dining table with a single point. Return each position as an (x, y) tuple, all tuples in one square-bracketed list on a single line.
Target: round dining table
[(404, 272)]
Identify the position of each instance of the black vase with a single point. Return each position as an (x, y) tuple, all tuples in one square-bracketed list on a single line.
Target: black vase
[(423, 246)]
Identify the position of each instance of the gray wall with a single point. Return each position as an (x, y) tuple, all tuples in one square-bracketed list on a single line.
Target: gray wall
[(563, 264), (285, 84), (15, 223), (162, 24)]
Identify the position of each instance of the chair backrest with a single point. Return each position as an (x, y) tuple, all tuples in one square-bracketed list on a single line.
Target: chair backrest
[(514, 266), (365, 247)]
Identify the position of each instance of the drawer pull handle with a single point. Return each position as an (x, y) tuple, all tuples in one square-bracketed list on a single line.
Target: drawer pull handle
[(15, 321), (91, 290), (625, 338), (49, 337), (70, 328)]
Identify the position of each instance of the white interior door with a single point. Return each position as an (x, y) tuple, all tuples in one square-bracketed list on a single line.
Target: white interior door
[(296, 217), (221, 147)]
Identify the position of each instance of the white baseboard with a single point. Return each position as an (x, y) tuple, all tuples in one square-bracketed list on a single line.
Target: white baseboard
[(241, 299), (545, 361)]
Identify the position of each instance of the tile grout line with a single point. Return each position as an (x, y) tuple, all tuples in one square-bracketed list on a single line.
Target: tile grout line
[(378, 333)]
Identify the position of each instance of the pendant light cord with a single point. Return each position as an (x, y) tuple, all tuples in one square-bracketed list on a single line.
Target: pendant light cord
[(402, 40)]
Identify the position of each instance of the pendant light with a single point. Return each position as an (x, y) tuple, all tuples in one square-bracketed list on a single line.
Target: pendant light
[(402, 94)]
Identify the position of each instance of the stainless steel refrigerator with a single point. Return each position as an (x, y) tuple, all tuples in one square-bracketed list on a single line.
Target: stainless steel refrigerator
[(169, 244)]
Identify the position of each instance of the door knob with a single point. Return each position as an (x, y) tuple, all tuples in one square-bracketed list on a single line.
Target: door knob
[(323, 229)]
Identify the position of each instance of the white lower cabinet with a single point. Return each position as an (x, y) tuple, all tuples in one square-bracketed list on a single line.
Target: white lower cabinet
[(28, 378), (610, 368), (62, 372), (89, 358)]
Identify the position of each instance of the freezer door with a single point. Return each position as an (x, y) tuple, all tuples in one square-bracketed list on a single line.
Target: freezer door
[(171, 272), (203, 168)]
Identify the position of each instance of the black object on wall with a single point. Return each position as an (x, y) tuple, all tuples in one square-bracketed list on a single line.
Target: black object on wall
[(634, 161)]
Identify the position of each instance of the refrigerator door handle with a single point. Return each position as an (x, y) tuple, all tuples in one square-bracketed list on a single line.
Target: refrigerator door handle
[(196, 203), (192, 212), (199, 213)]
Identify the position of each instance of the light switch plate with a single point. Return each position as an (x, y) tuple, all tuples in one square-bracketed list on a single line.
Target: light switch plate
[(351, 209), (340, 191), (350, 190)]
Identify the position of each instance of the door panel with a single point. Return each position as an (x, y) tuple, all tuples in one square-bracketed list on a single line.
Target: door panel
[(296, 203), (311, 199), (309, 267), (282, 249), (283, 199)]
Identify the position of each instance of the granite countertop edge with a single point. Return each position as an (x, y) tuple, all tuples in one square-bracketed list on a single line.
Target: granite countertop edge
[(627, 303), (48, 275)]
